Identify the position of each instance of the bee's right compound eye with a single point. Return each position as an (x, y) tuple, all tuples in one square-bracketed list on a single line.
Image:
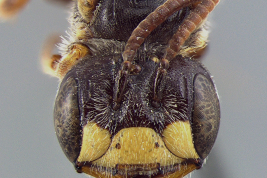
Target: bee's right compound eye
[(206, 115)]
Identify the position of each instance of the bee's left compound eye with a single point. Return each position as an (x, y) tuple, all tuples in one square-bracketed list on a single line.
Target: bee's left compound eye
[(78, 139), (67, 119), (206, 115)]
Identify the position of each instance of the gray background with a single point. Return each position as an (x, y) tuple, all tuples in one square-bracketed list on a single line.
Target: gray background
[(236, 58)]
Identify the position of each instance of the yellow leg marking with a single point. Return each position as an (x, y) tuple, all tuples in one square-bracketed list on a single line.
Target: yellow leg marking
[(83, 32), (195, 46), (77, 52), (9, 8), (49, 63), (58, 66), (86, 8), (178, 139)]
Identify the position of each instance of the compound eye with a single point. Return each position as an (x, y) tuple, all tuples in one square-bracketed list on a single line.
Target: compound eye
[(67, 119), (206, 115)]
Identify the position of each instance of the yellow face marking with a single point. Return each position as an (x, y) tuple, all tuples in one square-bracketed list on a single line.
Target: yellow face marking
[(95, 142), (137, 148), (178, 139), (137, 145)]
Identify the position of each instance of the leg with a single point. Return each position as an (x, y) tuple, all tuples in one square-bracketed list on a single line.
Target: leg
[(86, 8), (63, 2), (50, 63), (58, 65), (9, 8)]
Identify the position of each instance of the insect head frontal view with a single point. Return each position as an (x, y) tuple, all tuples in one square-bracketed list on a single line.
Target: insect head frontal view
[(134, 100)]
